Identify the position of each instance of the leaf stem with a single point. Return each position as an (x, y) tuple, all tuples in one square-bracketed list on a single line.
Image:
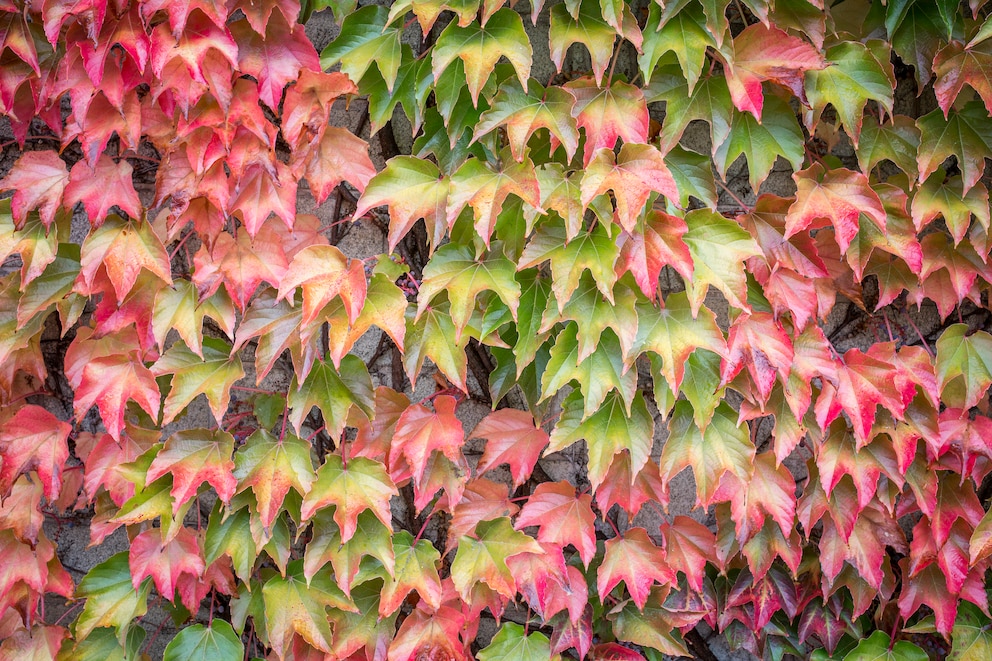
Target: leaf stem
[(741, 203)]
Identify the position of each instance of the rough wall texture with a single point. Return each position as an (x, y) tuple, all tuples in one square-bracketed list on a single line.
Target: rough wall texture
[(846, 325)]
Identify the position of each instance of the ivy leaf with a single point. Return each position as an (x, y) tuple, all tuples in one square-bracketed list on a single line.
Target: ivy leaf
[(294, 605), (709, 101), (854, 71), (420, 431), (480, 47), (455, 271), (214, 642), (593, 315), (965, 133), (366, 36), (324, 272), (38, 179), (602, 371), (689, 546), (270, 467), (193, 457), (778, 134), (562, 518), (970, 638), (637, 561), (523, 113), (99, 188), (839, 196), (413, 189), (594, 251), (32, 439), (718, 247), (241, 264), (179, 307), (415, 568), (362, 484), (938, 196), (333, 391), (165, 561), (212, 375), (685, 34), (370, 539), (608, 113), (632, 175), (123, 249), (511, 643), (653, 626), (512, 438), (693, 175), (761, 52), (608, 431), (645, 253), (483, 560), (433, 336), (337, 156), (485, 189), (230, 534), (673, 333), (584, 26), (723, 447), (957, 65), (879, 647), (274, 56), (111, 599), (966, 357), (897, 141)]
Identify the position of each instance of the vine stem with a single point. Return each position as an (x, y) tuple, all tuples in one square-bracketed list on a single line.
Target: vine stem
[(741, 203)]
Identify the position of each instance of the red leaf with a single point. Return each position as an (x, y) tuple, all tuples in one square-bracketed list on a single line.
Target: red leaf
[(562, 517), (338, 155), (770, 491), (308, 103), (420, 431), (760, 53), (106, 185), (38, 180), (192, 458), (261, 193), (608, 113), (689, 546), (276, 58), (165, 563), (325, 273), (632, 175), (761, 343), (511, 438), (837, 197), (645, 253), (241, 264), (635, 560), (33, 440)]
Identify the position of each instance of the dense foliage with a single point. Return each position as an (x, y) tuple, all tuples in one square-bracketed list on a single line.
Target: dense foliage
[(582, 252)]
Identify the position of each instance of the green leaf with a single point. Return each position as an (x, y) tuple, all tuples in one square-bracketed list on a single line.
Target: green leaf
[(295, 606), (966, 134), (897, 141), (216, 642), (523, 113), (53, 285), (455, 270), (969, 358), (415, 568), (777, 135), (971, 639), (673, 333), (685, 34), (230, 534), (484, 559), (856, 73), (111, 598), (362, 484), (270, 467), (594, 251), (366, 37), (213, 375), (879, 647), (433, 335), (102, 645), (480, 47), (721, 447), (601, 372), (607, 432), (708, 101), (534, 298), (333, 391), (412, 86), (592, 315), (719, 248), (585, 27), (486, 188), (511, 644), (654, 626)]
